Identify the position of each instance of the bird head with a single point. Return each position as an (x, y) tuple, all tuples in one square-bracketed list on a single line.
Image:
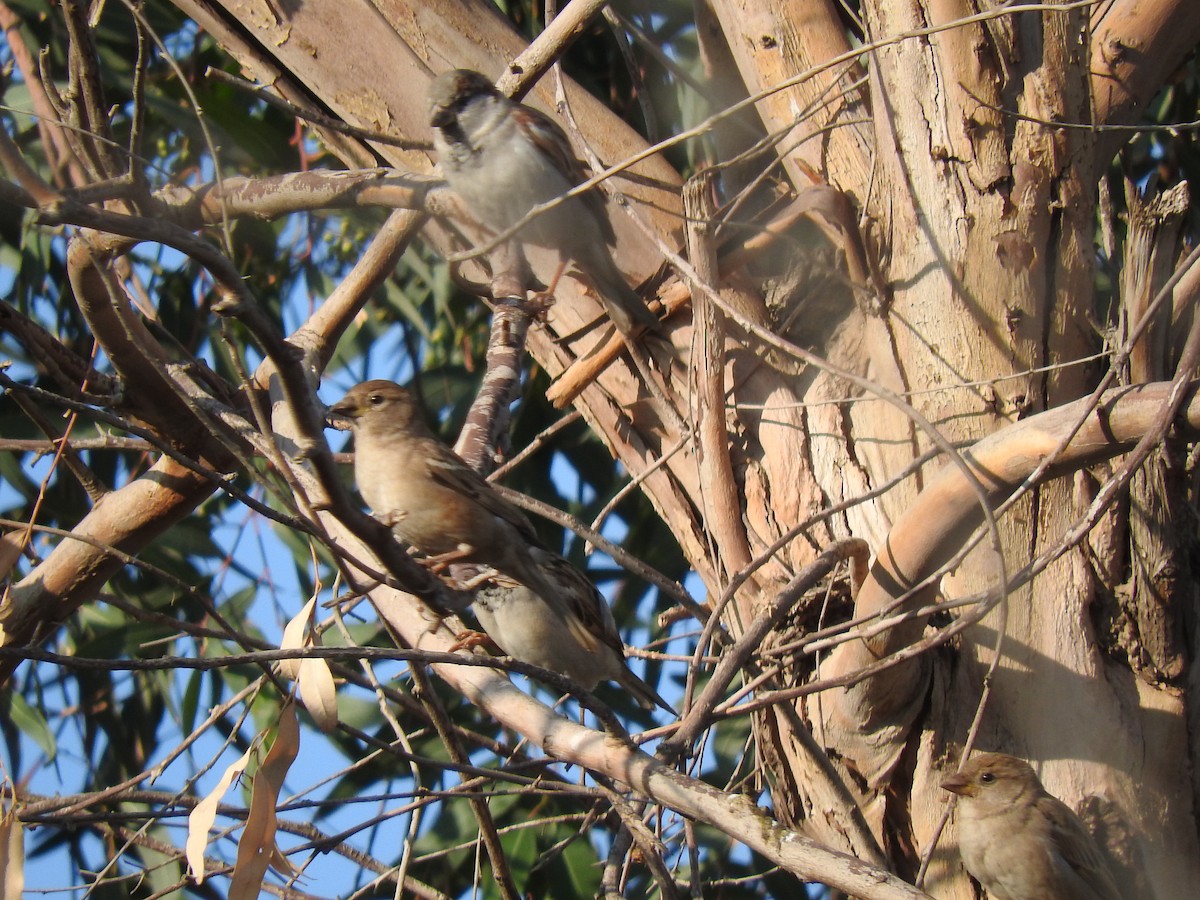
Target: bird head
[(452, 92), (377, 404), (994, 779)]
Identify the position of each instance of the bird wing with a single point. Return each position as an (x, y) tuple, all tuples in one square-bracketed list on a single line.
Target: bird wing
[(593, 616), (581, 606), (448, 470), (589, 619), (552, 140), (1077, 848)]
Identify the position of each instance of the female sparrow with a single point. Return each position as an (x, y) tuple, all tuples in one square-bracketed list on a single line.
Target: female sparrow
[(427, 495), (1018, 841), (504, 158), (553, 617)]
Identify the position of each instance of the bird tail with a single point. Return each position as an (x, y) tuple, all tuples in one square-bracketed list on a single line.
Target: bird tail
[(645, 695)]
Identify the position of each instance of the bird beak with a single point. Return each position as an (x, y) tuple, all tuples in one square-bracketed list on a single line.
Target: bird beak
[(959, 784), (342, 415)]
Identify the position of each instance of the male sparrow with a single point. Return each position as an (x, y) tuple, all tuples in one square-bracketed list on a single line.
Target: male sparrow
[(553, 617), (1020, 842), (570, 631), (504, 158)]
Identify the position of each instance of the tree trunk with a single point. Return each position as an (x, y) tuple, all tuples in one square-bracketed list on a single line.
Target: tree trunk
[(937, 325)]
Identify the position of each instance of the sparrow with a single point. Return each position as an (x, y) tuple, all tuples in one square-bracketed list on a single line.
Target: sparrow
[(549, 614), (1020, 842), (503, 158), (570, 631), (425, 493)]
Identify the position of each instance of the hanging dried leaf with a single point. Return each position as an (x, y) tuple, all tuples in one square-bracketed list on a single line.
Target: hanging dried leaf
[(257, 846), (319, 693), (10, 552), (12, 856), (201, 819), (295, 638), (281, 864)]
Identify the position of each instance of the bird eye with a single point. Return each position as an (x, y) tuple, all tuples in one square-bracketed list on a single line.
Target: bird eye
[(375, 399), (987, 777)]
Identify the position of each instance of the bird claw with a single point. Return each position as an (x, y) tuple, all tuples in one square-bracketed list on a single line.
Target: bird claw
[(439, 562), (539, 302), (469, 640), (487, 576), (538, 305)]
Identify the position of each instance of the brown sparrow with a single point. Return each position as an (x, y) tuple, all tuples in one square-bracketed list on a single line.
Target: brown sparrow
[(553, 617), (504, 158), (427, 495), (1020, 842)]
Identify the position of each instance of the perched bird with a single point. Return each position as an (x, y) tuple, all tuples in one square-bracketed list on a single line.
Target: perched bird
[(571, 631), (554, 617), (427, 495), (1018, 841), (504, 158)]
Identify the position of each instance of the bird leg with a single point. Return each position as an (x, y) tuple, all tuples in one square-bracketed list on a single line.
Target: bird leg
[(539, 302), (439, 562), (470, 639), (487, 576), (466, 577)]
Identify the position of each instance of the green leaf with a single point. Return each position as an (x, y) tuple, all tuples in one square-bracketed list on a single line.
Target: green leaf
[(31, 722), (191, 701)]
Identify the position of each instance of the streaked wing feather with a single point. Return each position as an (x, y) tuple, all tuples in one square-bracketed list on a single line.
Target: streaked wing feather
[(589, 611), (552, 141)]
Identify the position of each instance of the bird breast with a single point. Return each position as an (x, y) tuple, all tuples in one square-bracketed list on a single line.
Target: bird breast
[(419, 511), (524, 626), (506, 177)]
